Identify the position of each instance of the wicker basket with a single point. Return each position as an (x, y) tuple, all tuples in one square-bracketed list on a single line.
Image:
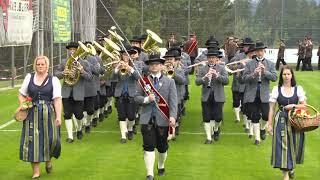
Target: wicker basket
[(307, 122)]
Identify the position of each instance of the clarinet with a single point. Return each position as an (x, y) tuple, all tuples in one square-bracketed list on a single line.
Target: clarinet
[(211, 66)]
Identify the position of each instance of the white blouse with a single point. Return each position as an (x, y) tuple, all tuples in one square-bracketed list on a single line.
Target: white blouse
[(274, 94), (55, 83)]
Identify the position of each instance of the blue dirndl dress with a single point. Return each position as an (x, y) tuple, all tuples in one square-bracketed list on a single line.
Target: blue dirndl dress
[(287, 143), (40, 137)]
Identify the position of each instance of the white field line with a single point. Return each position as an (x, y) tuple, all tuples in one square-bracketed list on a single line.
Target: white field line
[(7, 124), (9, 87), (116, 132)]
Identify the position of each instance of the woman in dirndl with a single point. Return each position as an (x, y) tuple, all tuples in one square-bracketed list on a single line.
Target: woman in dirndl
[(287, 142), (40, 137)]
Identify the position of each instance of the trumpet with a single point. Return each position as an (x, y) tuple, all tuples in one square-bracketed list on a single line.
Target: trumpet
[(169, 70), (123, 68), (236, 66)]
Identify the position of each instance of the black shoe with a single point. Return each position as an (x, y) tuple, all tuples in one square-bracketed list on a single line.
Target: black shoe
[(105, 113), (94, 122), (291, 174), (130, 135), (79, 135), (134, 128), (256, 142), (123, 141), (161, 172), (109, 110), (208, 141), (101, 117), (49, 169), (237, 121), (263, 134), (87, 129), (69, 140), (149, 177), (216, 135), (177, 130), (250, 136), (246, 130)]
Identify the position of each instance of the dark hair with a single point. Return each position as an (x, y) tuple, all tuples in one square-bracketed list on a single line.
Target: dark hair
[(293, 79)]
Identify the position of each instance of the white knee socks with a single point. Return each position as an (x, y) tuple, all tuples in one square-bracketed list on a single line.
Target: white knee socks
[(207, 129), (149, 158), (130, 125), (162, 159), (237, 113), (69, 127), (123, 129), (256, 130), (216, 126)]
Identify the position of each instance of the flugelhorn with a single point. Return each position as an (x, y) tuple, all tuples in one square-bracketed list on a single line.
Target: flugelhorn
[(236, 66), (150, 45)]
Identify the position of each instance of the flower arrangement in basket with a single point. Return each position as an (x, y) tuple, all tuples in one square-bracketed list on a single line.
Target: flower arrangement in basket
[(307, 119), (22, 113)]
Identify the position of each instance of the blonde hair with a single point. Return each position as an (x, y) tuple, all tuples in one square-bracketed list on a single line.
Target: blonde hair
[(46, 59)]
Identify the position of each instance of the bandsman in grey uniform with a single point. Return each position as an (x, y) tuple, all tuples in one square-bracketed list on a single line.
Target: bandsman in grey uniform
[(173, 63), (139, 65), (237, 85), (73, 96), (92, 89), (137, 42), (301, 54), (212, 77), (125, 89), (280, 58), (257, 75), (211, 43), (154, 126)]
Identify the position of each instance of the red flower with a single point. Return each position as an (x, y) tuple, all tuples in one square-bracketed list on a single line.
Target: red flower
[(29, 99)]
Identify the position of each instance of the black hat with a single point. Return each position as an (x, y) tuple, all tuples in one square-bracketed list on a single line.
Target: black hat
[(135, 39), (213, 46), (136, 49), (169, 53), (87, 42), (154, 58), (247, 41), (128, 48), (260, 45), (252, 48), (212, 40), (177, 54), (143, 37), (213, 52), (72, 45)]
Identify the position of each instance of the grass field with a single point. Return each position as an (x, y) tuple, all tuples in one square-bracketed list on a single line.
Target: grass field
[(100, 155)]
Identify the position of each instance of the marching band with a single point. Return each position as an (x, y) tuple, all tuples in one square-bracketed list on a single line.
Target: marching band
[(152, 91)]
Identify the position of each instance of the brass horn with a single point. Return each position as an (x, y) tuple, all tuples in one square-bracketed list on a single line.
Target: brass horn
[(72, 65), (114, 36), (150, 45)]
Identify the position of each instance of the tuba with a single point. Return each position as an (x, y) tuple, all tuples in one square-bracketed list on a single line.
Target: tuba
[(150, 45), (72, 67)]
